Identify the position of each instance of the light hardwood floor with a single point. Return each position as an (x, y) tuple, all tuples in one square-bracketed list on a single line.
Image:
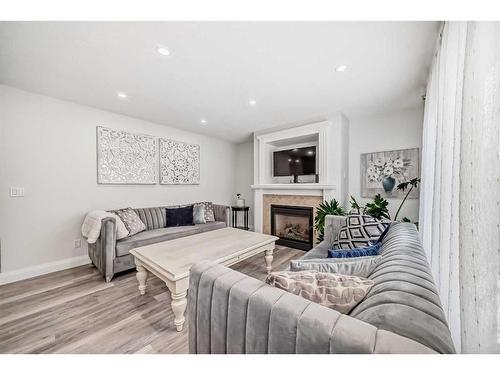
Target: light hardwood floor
[(75, 311)]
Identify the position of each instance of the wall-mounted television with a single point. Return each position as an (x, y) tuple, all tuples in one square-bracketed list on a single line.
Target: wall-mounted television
[(295, 162)]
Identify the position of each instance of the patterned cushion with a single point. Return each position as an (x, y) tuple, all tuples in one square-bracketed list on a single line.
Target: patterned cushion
[(209, 211), (346, 266), (333, 290), (367, 251), (131, 220), (199, 214), (360, 229)]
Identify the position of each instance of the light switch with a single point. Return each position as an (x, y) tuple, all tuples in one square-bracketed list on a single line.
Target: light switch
[(17, 192)]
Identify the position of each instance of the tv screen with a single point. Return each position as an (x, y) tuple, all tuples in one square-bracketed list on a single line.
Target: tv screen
[(296, 161)]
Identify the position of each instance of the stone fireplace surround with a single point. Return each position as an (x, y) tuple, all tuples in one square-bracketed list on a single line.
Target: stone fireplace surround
[(286, 200)]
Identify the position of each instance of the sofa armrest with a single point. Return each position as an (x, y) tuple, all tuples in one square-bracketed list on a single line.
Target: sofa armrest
[(103, 251), (230, 312), (221, 213), (333, 224)]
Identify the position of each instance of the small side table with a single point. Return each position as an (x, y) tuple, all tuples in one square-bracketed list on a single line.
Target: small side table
[(235, 210)]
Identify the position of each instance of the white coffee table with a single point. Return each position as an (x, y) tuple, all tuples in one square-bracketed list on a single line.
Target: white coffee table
[(171, 260)]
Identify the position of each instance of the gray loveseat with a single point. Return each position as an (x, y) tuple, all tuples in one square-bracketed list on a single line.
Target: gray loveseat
[(232, 313), (111, 256)]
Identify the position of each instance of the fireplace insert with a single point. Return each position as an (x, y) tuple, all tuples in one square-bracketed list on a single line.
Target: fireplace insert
[(293, 225)]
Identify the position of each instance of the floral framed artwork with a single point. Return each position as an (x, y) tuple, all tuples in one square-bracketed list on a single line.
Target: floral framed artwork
[(381, 172), (179, 163)]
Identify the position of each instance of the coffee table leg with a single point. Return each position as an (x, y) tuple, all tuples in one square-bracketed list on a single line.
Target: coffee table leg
[(269, 260), (142, 276), (178, 304)]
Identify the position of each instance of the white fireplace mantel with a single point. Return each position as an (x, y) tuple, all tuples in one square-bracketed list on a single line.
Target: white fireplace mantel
[(331, 138), (298, 186)]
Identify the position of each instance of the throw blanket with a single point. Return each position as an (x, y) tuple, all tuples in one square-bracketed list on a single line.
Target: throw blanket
[(91, 227)]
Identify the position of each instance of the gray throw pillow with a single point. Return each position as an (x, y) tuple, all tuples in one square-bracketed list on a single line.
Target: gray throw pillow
[(199, 214), (333, 290), (131, 220), (362, 267), (209, 211)]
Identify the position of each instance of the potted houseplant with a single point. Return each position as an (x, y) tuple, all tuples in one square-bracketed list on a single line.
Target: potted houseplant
[(378, 208), (326, 208)]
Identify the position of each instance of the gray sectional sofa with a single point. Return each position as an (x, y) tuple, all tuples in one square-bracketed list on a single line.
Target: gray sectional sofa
[(111, 256), (232, 313)]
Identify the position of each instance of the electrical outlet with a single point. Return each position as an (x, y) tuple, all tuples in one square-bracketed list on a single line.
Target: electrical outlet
[(17, 192), (78, 243)]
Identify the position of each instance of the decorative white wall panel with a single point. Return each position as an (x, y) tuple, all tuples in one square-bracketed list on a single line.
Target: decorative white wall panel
[(179, 163), (125, 158)]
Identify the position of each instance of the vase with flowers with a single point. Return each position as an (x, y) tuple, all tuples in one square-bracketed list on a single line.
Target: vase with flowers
[(388, 172)]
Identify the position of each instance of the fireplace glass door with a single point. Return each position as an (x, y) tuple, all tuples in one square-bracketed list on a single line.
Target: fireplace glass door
[(293, 225)]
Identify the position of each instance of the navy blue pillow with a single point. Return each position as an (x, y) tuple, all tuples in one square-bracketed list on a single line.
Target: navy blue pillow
[(178, 217), (371, 250)]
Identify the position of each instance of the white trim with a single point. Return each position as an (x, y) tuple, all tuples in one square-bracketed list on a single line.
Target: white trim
[(297, 186), (293, 132), (42, 269)]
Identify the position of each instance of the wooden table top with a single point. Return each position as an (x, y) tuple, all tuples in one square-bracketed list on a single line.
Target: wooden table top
[(175, 257)]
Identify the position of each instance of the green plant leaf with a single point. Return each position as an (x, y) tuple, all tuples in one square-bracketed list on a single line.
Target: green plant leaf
[(378, 208), (326, 208), (354, 204), (413, 183)]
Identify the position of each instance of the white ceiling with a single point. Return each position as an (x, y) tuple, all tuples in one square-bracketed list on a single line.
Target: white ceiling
[(216, 67)]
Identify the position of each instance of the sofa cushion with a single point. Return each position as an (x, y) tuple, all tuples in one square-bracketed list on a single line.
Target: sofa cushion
[(359, 230), (209, 211), (346, 266), (153, 217), (370, 250), (179, 217), (333, 290), (132, 221), (163, 234), (199, 214)]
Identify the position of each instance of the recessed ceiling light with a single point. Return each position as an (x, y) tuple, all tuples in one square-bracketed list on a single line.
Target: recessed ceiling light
[(163, 51), (310, 152), (252, 102), (122, 95), (203, 121), (341, 68)]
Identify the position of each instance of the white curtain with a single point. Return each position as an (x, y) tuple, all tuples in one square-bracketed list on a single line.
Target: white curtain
[(459, 202)]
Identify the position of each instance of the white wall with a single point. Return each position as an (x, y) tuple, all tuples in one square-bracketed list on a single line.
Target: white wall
[(48, 146), (384, 133), (340, 153), (244, 176)]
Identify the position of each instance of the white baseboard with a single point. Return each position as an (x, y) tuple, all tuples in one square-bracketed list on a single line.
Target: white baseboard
[(42, 269)]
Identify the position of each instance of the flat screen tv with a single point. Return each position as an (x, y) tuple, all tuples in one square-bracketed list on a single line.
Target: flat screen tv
[(295, 162)]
